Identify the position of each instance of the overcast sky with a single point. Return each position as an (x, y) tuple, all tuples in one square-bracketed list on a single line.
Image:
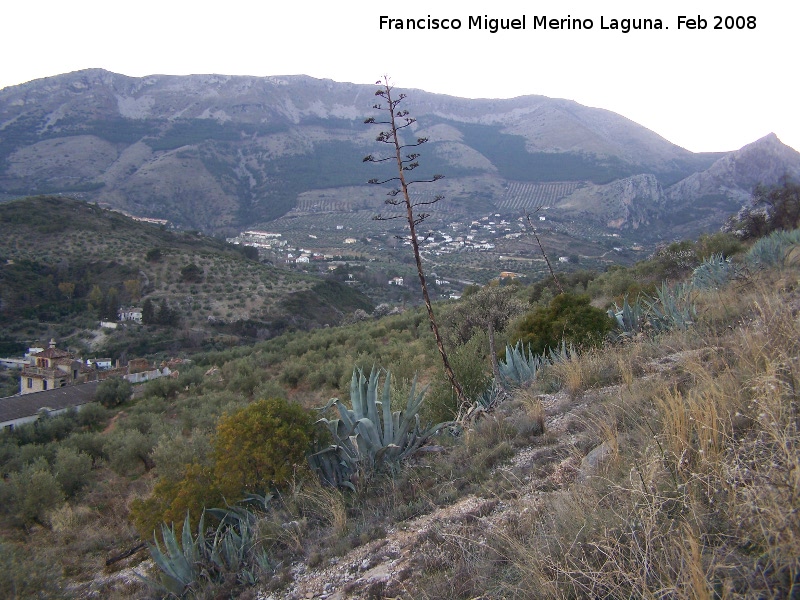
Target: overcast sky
[(705, 90)]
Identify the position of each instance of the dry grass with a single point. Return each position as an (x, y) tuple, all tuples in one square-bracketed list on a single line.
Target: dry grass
[(581, 372), (702, 497)]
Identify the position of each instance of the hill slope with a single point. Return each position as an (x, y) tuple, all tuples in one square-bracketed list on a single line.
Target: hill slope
[(55, 251)]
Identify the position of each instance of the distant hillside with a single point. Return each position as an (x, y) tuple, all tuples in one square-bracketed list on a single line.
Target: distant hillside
[(62, 259), (222, 153)]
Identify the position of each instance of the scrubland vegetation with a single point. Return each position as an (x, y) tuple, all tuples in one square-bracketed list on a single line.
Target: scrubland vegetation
[(651, 450)]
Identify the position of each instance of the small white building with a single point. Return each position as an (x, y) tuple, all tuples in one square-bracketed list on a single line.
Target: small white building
[(131, 313)]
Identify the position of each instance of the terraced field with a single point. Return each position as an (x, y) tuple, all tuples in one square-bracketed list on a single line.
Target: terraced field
[(522, 195)]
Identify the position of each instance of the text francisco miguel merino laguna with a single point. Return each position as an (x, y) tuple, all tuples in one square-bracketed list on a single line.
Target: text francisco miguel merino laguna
[(493, 25)]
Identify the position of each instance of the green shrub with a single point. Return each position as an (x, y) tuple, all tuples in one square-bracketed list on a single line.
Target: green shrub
[(772, 208), (93, 444), (71, 470), (46, 428), (191, 378), (191, 273), (270, 389), (153, 255), (293, 374), (163, 387), (127, 449), (92, 415), (722, 243), (113, 392), (31, 494), (470, 363), (258, 446), (171, 501), (568, 318), (173, 452)]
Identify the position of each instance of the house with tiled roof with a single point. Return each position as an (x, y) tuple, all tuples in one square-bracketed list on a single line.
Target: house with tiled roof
[(16, 410), (53, 368)]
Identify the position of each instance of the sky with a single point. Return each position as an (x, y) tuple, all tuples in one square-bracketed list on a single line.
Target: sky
[(705, 89)]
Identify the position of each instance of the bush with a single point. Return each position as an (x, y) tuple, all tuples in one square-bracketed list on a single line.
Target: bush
[(172, 500), (71, 470), (772, 208), (113, 392), (127, 448), (93, 444), (153, 255), (28, 572), (163, 387), (722, 243), (46, 428), (173, 452), (471, 365), (568, 317), (191, 273), (258, 446), (92, 415), (28, 496)]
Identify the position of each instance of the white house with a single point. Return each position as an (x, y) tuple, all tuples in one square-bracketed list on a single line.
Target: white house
[(131, 313)]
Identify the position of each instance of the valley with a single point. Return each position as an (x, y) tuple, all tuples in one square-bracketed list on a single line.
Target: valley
[(626, 420)]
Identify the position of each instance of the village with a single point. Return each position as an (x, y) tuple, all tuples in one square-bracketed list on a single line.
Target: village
[(53, 380), (479, 235), (336, 240)]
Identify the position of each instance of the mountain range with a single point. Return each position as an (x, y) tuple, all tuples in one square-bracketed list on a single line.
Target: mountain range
[(224, 153)]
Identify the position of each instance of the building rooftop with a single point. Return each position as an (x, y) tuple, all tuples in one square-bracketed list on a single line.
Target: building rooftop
[(27, 405)]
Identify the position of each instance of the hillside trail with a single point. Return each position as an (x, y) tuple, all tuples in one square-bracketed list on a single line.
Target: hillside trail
[(381, 567)]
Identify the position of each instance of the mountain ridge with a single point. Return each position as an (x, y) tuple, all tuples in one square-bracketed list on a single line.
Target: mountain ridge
[(221, 153)]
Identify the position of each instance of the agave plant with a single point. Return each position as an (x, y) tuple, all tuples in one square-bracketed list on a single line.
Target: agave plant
[(714, 272), (672, 308), (230, 550), (491, 396), (561, 353), (178, 562), (520, 366), (773, 250), (631, 318), (233, 548), (370, 436)]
